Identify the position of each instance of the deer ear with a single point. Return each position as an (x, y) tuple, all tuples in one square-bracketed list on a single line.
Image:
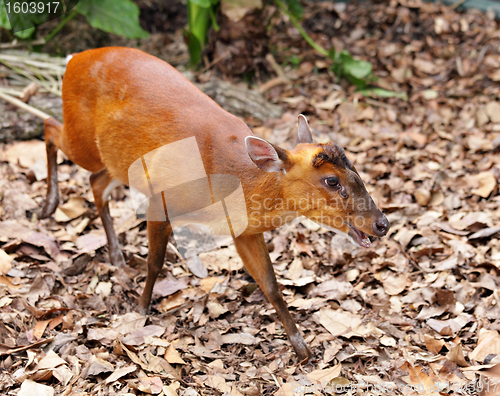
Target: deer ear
[(267, 156), (304, 132)]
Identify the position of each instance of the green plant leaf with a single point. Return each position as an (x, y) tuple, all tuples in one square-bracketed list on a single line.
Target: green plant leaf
[(25, 34), (204, 3), (24, 24), (357, 72), (332, 54), (195, 50), (4, 18), (213, 17), (295, 8), (199, 18), (5, 23), (356, 68), (113, 16), (199, 22), (383, 93)]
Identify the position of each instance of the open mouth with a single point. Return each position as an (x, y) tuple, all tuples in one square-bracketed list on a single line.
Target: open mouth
[(359, 237)]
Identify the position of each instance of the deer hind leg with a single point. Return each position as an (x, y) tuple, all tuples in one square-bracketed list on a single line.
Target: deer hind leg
[(158, 234), (53, 131), (102, 184), (253, 251)]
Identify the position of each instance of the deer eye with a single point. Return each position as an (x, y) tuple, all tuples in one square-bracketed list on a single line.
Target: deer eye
[(332, 181)]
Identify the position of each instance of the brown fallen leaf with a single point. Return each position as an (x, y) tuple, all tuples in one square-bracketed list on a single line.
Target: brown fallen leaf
[(31, 388), (208, 283), (53, 323), (493, 111), (486, 184), (104, 335), (287, 389), (197, 267), (429, 312), (63, 374), (422, 196), (215, 309), (450, 326), (98, 366), (167, 287), (91, 242), (449, 229), (485, 232), (124, 324), (119, 373), (12, 229), (395, 284), (235, 10), (421, 380), (433, 345), (456, 355), (4, 280), (151, 385), (171, 390), (138, 336), (323, 376), (333, 290), (239, 338), (437, 198), (171, 302), (73, 208), (7, 350), (425, 66), (218, 382), (5, 262), (345, 324), (133, 356), (172, 356), (461, 220), (51, 360), (488, 343), (295, 269), (26, 153), (40, 327), (493, 372)]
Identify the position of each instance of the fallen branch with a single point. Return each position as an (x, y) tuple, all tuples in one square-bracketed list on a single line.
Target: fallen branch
[(24, 106)]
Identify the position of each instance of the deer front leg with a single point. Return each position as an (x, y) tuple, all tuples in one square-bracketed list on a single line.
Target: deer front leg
[(253, 251), (158, 234)]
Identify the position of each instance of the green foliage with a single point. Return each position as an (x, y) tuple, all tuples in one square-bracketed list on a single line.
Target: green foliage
[(204, 3), (295, 8), (383, 93), (113, 16), (200, 14), (360, 74), (357, 72), (120, 17), (4, 18), (5, 23), (295, 60)]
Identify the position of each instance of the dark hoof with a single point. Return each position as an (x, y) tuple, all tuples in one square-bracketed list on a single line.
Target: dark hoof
[(304, 355), (117, 259), (301, 349), (49, 209), (303, 359)]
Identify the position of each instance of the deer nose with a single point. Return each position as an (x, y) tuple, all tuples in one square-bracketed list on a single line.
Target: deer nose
[(381, 226)]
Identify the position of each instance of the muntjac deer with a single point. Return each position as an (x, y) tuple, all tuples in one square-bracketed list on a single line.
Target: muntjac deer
[(119, 104)]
